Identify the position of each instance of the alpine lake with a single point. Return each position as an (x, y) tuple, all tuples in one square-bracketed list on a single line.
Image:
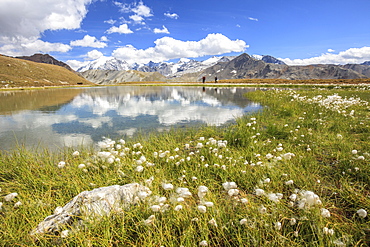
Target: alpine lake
[(56, 118)]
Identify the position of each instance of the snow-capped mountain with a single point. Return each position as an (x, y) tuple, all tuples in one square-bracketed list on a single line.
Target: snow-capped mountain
[(105, 63), (268, 59), (168, 69)]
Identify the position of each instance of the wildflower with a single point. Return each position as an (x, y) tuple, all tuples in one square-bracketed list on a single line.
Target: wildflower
[(61, 164), (187, 146), (360, 157), (243, 221), (278, 226), (208, 204), (194, 178), (1, 206), (362, 213), (10, 196), (292, 221), (288, 156), (339, 136), (259, 192), (213, 222), (328, 231), (202, 191), (229, 185), (167, 186), (266, 181), (269, 156), (150, 220), (279, 149), (81, 166), (202, 208), (139, 168), (244, 200), (354, 151), (289, 182), (199, 145), (183, 192), (233, 192), (155, 208), (203, 243), (76, 153), (262, 210), (64, 233), (178, 208), (275, 197), (325, 213), (17, 204)]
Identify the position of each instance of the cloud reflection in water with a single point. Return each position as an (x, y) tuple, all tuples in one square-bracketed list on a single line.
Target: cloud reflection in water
[(117, 111)]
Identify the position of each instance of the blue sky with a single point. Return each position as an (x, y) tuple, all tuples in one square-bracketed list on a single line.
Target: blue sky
[(77, 31)]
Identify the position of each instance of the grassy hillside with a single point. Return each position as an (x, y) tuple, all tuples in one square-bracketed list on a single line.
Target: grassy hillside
[(20, 73)]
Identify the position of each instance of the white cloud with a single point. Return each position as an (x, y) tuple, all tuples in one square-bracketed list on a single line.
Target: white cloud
[(140, 11), (88, 41), (331, 50), (104, 39), (23, 21), (27, 47), (252, 19), (352, 55), (29, 18), (74, 64), (173, 15), (167, 48), (163, 30), (122, 29), (94, 54)]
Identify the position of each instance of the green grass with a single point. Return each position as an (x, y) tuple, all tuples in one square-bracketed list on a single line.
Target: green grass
[(321, 139)]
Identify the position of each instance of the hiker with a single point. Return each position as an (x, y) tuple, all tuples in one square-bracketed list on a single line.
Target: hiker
[(204, 79), (215, 79)]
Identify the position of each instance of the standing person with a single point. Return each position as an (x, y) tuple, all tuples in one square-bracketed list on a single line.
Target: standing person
[(215, 79), (204, 79)]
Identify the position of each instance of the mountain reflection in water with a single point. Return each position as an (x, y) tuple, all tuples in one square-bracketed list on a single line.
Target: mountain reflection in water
[(84, 116)]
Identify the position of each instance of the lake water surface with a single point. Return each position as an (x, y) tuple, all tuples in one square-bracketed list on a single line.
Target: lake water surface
[(55, 118)]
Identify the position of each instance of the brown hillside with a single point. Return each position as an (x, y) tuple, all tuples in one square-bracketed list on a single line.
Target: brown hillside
[(16, 72)]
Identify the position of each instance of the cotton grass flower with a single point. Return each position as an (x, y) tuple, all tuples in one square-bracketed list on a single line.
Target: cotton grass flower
[(61, 164), (277, 226), (10, 196), (203, 243), (328, 231), (233, 192), (229, 185), (213, 222), (18, 204), (325, 213), (243, 221), (155, 208), (150, 220), (183, 192), (178, 208), (168, 186), (289, 182), (202, 208), (75, 153), (259, 192), (362, 213)]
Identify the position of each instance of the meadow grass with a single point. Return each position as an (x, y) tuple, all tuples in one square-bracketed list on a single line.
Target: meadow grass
[(294, 174)]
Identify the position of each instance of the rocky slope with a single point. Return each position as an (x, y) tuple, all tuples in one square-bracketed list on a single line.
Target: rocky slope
[(46, 58), (247, 67)]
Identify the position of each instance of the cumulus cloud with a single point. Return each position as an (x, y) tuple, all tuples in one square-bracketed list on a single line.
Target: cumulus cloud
[(19, 47), (139, 10), (25, 20), (172, 16), (88, 41), (94, 54), (167, 48), (350, 56), (122, 29), (163, 30)]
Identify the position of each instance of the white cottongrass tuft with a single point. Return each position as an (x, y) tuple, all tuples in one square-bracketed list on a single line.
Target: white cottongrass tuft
[(213, 222), (325, 213), (203, 243), (202, 208), (167, 186), (362, 213), (10, 196), (178, 208), (76, 153), (183, 192), (229, 185), (61, 164), (289, 182)]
